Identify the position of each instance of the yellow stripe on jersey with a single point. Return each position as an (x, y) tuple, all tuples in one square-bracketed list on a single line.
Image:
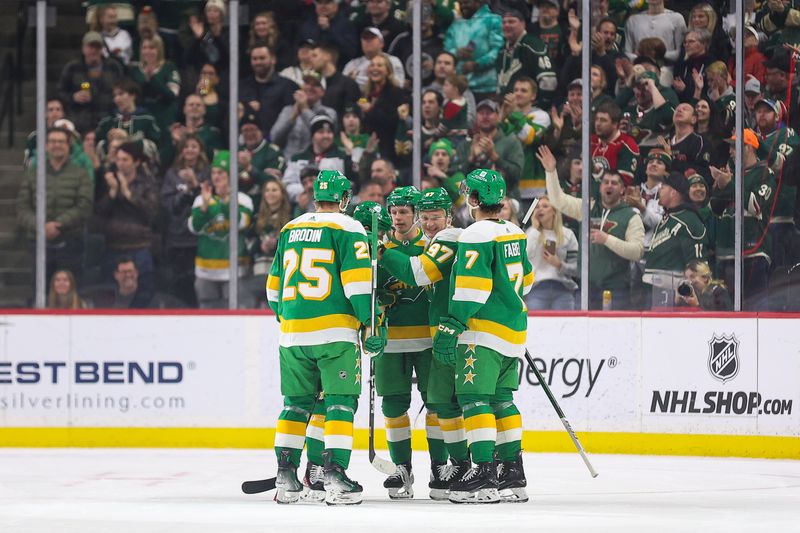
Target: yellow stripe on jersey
[(509, 237), (306, 325), (528, 279), (498, 330), (473, 282), (356, 275), (430, 268), (273, 282), (408, 332)]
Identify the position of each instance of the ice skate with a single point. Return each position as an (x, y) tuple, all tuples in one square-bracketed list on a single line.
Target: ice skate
[(478, 485), (511, 479), (443, 475), (400, 484), (288, 486), (314, 482), (340, 489)]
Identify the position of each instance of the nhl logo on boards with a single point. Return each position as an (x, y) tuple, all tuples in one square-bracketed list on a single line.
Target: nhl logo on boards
[(723, 357)]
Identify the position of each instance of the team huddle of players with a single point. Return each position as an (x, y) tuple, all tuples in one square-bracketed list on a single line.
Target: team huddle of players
[(449, 309)]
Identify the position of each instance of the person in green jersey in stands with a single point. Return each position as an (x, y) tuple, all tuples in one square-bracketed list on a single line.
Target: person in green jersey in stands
[(319, 288), (484, 335)]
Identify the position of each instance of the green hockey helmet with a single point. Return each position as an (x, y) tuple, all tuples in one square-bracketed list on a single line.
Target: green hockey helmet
[(487, 184), (363, 213), (331, 186), (408, 195), (433, 199)]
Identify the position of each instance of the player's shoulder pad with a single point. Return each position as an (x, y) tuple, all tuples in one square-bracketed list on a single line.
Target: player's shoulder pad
[(488, 230)]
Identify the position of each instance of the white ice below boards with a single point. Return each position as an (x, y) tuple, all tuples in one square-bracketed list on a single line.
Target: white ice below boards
[(197, 491)]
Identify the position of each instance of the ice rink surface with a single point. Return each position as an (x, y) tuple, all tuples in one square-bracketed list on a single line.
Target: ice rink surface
[(198, 491)]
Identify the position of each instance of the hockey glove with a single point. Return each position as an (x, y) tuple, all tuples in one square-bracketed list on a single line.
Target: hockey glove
[(374, 344), (446, 339)]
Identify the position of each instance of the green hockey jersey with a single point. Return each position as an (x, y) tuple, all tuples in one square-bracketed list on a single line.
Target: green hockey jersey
[(407, 319), (529, 129), (321, 280), (213, 237), (775, 148), (490, 276), (679, 237)]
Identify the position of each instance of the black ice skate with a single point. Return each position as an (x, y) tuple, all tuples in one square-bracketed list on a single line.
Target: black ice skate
[(314, 482), (289, 487), (443, 475), (401, 483), (477, 485), (511, 479), (339, 489)]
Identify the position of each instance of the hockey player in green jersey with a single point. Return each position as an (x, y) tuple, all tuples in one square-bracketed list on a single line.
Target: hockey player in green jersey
[(319, 288), (432, 271), (408, 350), (484, 335)]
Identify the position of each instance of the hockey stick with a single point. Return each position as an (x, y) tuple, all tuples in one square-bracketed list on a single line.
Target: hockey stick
[(380, 464), (560, 414), (258, 486)]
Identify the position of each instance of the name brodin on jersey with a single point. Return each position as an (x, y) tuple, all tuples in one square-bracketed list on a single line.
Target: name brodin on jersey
[(305, 235)]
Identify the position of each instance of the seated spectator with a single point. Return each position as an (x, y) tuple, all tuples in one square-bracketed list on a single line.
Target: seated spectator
[(305, 200), (69, 193), (722, 95), (352, 138), (264, 29), (322, 154), (291, 131), (265, 92), (702, 291), (159, 82), (86, 84), (779, 88), (329, 26), (491, 148), (611, 148), (687, 147), (117, 43), (194, 112), (370, 191), (567, 132), (444, 66), (704, 17), (127, 292), (379, 14), (710, 129), (691, 66), (209, 39), (372, 47), (340, 90), (274, 213), (210, 91), (380, 170), (752, 94), (181, 186), (259, 161), (599, 86), (382, 97), (657, 21), (510, 211), (127, 211), (553, 253), (548, 31), (210, 221), (759, 185), (441, 154), (431, 41), (147, 27), (476, 40), (63, 292), (653, 48), (524, 54), (528, 123), (130, 117), (754, 60), (302, 64), (454, 112), (54, 111), (617, 233)]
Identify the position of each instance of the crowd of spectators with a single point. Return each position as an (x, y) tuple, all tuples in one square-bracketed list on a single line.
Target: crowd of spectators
[(138, 163)]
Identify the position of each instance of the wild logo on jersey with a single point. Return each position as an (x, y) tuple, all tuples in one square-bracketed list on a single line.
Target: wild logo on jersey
[(218, 228)]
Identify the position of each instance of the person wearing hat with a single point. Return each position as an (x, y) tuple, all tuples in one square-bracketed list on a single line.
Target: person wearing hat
[(292, 128), (644, 197), (752, 94), (381, 15), (490, 147), (209, 37), (127, 210), (698, 195), (371, 46), (440, 157), (301, 64), (754, 60), (525, 54), (758, 189), (649, 114), (322, 153), (548, 30), (352, 138), (85, 84), (259, 160), (210, 221), (679, 237), (70, 192), (340, 90), (330, 26), (776, 80)]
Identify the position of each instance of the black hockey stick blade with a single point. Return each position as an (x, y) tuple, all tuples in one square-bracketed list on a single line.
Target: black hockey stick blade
[(258, 486)]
